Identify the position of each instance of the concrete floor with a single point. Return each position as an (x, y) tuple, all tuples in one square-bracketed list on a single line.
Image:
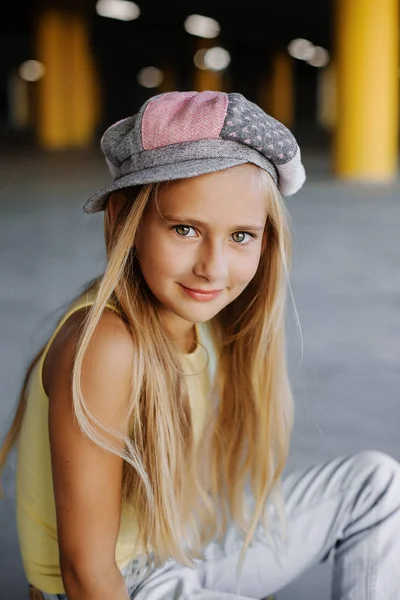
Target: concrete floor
[(346, 285)]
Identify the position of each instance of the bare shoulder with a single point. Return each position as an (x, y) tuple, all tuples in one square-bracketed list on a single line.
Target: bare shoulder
[(88, 476), (110, 351), (111, 342)]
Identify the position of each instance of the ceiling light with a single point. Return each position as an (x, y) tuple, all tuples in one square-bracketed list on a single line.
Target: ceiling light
[(301, 49), (150, 77), (123, 10), (202, 26), (321, 57), (217, 59), (32, 70)]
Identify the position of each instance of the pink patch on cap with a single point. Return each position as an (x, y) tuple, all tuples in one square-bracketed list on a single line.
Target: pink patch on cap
[(183, 117)]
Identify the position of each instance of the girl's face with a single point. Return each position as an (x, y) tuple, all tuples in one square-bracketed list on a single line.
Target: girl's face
[(206, 234)]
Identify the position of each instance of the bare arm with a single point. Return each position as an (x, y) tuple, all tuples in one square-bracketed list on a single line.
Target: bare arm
[(87, 479)]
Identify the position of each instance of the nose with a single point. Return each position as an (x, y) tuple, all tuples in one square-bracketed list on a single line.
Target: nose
[(212, 263)]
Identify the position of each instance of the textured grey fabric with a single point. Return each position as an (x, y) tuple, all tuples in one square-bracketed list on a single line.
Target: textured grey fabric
[(199, 150), (245, 122), (180, 166), (248, 134)]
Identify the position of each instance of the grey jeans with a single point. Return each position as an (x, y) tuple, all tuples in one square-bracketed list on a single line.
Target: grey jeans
[(347, 508)]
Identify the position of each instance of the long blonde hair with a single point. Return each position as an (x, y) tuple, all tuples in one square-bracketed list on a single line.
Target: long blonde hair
[(188, 494)]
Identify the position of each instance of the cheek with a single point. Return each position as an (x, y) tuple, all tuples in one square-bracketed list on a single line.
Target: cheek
[(164, 258), (245, 270)]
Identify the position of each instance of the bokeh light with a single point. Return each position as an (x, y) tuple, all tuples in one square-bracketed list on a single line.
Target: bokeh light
[(199, 58), (321, 57), (217, 59), (204, 27), (32, 70), (150, 77), (301, 49), (123, 10)]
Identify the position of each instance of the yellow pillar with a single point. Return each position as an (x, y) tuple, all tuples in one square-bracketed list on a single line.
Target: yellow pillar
[(263, 95), (85, 94), (205, 79), (367, 89), (208, 80), (280, 96), (52, 127), (326, 97), (169, 81), (18, 90), (68, 103)]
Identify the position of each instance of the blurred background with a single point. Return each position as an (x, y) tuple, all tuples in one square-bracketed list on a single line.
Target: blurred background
[(327, 69)]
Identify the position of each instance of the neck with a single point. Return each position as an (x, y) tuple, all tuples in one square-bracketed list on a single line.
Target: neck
[(190, 343)]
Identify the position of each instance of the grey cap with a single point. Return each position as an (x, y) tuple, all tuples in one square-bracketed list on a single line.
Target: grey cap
[(183, 134)]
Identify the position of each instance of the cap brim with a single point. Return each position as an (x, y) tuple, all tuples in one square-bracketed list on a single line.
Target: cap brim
[(182, 170)]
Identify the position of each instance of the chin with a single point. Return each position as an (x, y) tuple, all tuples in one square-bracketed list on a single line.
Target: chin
[(199, 314)]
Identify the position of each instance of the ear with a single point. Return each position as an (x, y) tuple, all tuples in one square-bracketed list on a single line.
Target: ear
[(116, 203)]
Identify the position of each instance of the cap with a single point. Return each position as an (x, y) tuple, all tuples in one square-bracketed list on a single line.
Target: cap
[(184, 134)]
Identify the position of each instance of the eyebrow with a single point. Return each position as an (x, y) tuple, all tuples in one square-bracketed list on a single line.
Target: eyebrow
[(183, 219)]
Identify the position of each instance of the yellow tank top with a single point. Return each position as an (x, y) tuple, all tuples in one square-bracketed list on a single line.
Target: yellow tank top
[(36, 515)]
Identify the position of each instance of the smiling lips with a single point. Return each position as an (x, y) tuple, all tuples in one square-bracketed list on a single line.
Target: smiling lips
[(201, 294)]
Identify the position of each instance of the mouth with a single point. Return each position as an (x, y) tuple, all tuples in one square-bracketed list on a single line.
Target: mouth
[(201, 294)]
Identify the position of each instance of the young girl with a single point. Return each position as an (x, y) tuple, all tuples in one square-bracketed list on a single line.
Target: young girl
[(154, 426)]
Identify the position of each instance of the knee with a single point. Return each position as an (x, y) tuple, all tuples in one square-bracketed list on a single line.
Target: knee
[(377, 460), (379, 469)]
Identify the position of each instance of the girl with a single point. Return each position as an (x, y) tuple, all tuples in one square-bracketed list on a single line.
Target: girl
[(154, 426)]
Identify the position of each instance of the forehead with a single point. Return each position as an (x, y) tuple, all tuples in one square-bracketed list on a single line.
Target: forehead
[(230, 194)]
